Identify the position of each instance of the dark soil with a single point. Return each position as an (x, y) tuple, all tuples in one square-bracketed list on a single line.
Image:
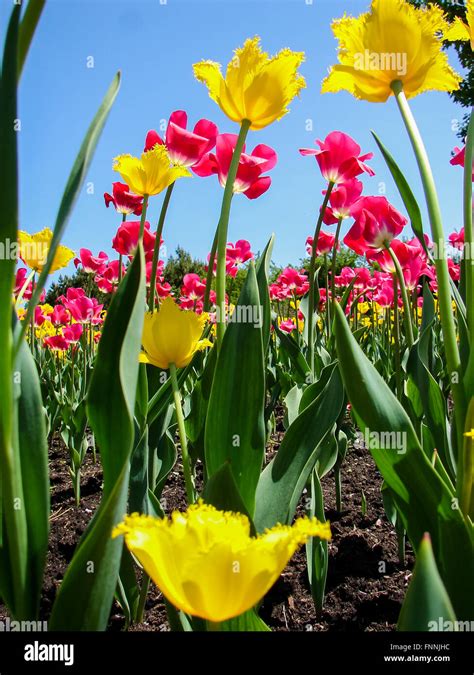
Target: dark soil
[(366, 583)]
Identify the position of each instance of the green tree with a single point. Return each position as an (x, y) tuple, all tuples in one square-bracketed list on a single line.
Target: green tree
[(465, 95), (178, 265)]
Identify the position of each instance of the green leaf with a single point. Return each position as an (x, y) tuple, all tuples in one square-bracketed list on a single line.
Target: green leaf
[(290, 350), (426, 603), (27, 30), (13, 524), (283, 480), (138, 497), (166, 459), (432, 399), (405, 191), (222, 492), (84, 599), (316, 549), (235, 429), (423, 499), (247, 622), (262, 268)]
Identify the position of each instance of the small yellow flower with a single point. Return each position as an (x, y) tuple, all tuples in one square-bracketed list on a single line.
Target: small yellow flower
[(469, 434), (172, 335), (34, 248), (45, 330), (150, 174), (257, 88), (461, 31), (206, 563), (395, 41), (46, 309)]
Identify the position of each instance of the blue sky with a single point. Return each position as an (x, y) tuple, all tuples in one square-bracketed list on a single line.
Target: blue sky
[(154, 45)]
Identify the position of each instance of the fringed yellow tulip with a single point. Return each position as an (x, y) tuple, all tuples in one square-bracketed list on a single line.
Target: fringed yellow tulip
[(461, 31), (150, 174), (257, 88), (172, 335), (393, 42), (34, 248), (206, 563)]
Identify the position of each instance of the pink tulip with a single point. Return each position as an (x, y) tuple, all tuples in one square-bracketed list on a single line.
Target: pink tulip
[(159, 271), (377, 222), (163, 290), (339, 158), (60, 316), (83, 309), (57, 343), (342, 199), (456, 239), (73, 333), (454, 270), (325, 243), (459, 158), (277, 291), (20, 280), (287, 326), (240, 252), (294, 282), (193, 288), (249, 180), (124, 201), (91, 264), (185, 148), (108, 281), (40, 317), (125, 241)]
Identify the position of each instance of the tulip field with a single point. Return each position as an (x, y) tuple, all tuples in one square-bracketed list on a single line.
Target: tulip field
[(253, 447)]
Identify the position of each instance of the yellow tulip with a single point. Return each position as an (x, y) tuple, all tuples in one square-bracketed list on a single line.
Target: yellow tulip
[(34, 248), (45, 330), (461, 31), (150, 174), (257, 88), (395, 41), (172, 335), (206, 563)]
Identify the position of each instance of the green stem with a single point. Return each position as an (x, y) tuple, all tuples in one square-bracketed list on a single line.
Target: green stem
[(142, 599), (312, 266), (334, 259), (210, 273), (328, 303), (188, 478), (24, 287), (156, 250), (453, 360), (120, 271), (403, 290), (142, 220), (396, 339), (222, 232), (77, 485)]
